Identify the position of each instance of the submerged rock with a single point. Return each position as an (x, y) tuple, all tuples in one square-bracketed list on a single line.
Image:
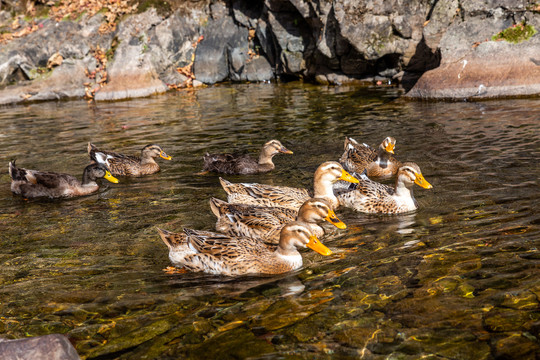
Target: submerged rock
[(51, 347)]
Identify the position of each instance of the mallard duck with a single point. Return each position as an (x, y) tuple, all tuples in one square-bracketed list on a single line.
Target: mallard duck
[(227, 255), (128, 165), (358, 158), (289, 197), (34, 183), (375, 198), (265, 223), (243, 164)]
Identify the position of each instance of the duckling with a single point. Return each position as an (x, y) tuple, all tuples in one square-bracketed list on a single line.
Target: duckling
[(375, 198), (238, 164), (283, 196), (34, 183), (213, 253), (265, 223), (128, 165), (378, 163)]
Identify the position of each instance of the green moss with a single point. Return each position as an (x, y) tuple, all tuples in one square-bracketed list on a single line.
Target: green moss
[(516, 33)]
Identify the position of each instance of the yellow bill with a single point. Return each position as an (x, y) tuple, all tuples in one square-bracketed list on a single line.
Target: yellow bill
[(348, 177), (422, 182), (163, 155), (334, 220), (316, 245), (111, 178), (390, 148)]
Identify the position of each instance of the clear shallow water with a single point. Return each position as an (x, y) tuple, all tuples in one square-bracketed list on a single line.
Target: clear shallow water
[(457, 279)]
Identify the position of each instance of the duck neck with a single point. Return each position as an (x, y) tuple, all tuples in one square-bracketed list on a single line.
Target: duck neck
[(147, 159), (87, 179), (266, 159), (402, 190), (323, 189)]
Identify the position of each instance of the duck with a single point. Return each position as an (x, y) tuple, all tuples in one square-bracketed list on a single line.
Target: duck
[(377, 163), (220, 254), (289, 197), (371, 197), (129, 165), (243, 164), (265, 223), (36, 184)]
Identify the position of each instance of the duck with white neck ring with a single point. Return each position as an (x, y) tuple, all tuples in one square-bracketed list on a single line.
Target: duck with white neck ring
[(289, 197), (218, 254), (372, 197)]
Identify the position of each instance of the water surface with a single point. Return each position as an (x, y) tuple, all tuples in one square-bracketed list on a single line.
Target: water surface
[(457, 279)]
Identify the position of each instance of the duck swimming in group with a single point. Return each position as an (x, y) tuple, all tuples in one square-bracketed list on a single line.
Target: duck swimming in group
[(378, 163), (283, 196), (243, 164), (129, 165), (372, 197), (219, 254), (265, 223), (35, 184)]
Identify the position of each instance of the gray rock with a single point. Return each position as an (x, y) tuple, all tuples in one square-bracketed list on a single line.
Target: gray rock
[(50, 347)]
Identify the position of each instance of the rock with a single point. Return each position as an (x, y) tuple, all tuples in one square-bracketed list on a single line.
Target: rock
[(51, 347), (223, 41), (475, 67), (131, 72)]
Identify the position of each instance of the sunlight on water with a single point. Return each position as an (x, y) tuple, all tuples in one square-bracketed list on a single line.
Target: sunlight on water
[(456, 279)]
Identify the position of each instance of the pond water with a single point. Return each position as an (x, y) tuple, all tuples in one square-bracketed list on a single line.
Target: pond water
[(458, 279)]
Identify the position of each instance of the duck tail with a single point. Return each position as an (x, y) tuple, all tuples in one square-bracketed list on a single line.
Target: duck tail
[(172, 240), (92, 152), (217, 205), (16, 173), (226, 185)]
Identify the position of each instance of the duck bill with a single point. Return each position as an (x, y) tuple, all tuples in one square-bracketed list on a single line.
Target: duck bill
[(390, 148), (420, 181), (334, 220), (111, 178), (345, 176), (163, 155), (284, 150), (315, 245)]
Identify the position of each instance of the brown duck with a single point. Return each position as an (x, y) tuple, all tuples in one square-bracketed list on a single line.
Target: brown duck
[(219, 254), (265, 223), (129, 165), (284, 196), (378, 163), (376, 198), (35, 184), (238, 164)]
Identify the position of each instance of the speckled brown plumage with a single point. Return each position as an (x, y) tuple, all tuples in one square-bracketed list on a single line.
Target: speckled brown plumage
[(242, 164), (378, 163), (288, 197), (129, 165), (203, 251), (369, 196), (34, 183), (265, 223)]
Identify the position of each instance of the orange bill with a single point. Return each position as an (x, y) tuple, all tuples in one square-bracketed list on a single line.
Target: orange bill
[(348, 177), (111, 178), (285, 150), (422, 182), (390, 148), (163, 155), (316, 245), (334, 220)]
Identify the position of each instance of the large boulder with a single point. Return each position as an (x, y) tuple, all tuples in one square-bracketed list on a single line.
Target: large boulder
[(473, 65)]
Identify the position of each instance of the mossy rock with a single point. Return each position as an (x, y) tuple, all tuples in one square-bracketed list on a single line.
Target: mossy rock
[(516, 33)]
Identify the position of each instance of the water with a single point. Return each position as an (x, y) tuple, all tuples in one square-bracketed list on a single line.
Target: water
[(457, 279)]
